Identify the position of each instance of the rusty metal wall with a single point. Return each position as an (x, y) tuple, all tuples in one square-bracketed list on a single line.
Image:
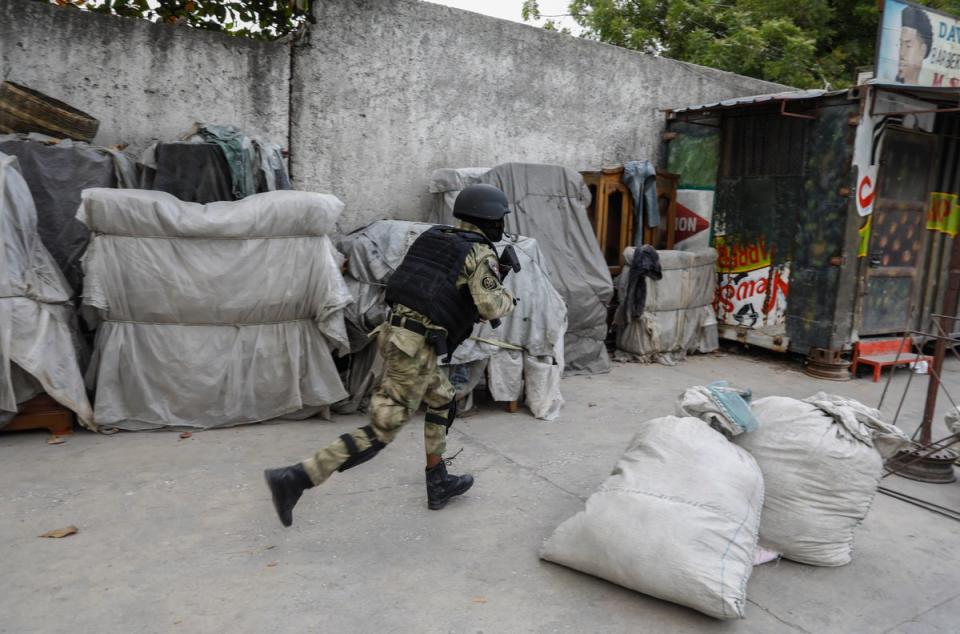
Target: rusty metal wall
[(787, 180), (946, 178)]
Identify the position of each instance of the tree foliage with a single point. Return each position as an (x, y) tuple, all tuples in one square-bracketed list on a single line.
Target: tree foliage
[(261, 19), (801, 43)]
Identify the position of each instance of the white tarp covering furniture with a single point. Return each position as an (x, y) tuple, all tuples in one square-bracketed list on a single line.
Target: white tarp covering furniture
[(822, 460), (38, 347), (212, 315), (678, 316), (549, 204), (532, 359), (677, 519)]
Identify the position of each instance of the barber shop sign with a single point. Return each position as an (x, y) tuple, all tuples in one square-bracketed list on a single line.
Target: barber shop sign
[(918, 46)]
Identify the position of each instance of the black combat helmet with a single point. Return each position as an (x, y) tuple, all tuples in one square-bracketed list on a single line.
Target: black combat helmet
[(483, 202)]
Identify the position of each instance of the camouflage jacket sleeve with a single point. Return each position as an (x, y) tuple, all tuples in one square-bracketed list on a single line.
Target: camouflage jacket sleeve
[(480, 272)]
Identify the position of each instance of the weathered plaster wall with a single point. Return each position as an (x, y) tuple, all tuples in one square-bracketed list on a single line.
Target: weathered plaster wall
[(145, 81), (385, 91)]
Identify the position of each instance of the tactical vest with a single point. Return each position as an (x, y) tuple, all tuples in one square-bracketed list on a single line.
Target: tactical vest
[(426, 280)]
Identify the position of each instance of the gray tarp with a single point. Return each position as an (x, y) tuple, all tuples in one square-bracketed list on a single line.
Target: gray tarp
[(193, 172), (57, 172), (212, 163), (549, 205), (37, 347), (537, 324), (678, 316), (213, 315)]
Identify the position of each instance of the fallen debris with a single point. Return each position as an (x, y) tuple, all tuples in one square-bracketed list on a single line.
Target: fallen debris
[(61, 532)]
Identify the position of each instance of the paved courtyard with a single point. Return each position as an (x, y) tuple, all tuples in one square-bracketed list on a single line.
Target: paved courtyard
[(178, 535)]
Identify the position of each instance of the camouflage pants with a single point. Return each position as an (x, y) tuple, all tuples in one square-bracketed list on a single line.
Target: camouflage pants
[(411, 376)]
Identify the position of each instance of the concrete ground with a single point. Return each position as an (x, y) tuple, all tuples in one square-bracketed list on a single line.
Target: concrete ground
[(178, 535)]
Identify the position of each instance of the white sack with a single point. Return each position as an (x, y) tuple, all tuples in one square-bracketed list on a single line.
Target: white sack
[(541, 384), (821, 473), (677, 519), (36, 337), (952, 421), (505, 375), (724, 408), (213, 315)]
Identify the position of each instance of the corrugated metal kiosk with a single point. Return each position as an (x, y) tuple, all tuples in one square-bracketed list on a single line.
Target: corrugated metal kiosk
[(833, 212)]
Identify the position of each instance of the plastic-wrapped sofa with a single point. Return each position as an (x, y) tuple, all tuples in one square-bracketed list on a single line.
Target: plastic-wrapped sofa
[(212, 315)]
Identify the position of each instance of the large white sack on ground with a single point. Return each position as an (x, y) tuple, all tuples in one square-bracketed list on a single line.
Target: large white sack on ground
[(212, 315), (821, 473), (677, 519)]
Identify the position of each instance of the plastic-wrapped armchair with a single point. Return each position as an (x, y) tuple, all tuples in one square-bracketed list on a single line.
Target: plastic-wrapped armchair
[(677, 316)]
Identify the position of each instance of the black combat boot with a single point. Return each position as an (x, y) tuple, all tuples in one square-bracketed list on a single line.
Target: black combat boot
[(441, 486), (287, 484)]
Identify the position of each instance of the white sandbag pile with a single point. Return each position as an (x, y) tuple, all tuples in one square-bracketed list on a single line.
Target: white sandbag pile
[(677, 519), (822, 460), (212, 315)]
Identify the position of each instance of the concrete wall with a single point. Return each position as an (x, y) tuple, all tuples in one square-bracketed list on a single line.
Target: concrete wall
[(385, 91), (145, 81)]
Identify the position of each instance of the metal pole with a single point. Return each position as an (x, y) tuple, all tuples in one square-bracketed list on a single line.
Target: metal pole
[(949, 307)]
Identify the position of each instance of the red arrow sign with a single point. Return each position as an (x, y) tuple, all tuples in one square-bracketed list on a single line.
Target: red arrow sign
[(688, 223)]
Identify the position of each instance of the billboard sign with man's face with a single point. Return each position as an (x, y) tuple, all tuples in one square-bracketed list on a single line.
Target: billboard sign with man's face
[(918, 46)]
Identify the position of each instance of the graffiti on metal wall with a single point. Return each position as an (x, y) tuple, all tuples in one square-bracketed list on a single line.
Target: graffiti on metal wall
[(751, 291), (943, 215)]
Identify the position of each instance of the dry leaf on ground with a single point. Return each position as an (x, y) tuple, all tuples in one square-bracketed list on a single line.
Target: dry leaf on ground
[(61, 532)]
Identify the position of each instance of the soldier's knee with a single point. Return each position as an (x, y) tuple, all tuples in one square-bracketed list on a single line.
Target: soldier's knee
[(443, 415), (387, 418)]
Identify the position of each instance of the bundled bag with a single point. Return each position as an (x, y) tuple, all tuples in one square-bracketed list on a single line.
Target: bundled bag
[(822, 460), (725, 408), (677, 519)]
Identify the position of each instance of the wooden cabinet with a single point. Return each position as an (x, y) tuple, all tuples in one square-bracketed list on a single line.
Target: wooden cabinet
[(611, 213)]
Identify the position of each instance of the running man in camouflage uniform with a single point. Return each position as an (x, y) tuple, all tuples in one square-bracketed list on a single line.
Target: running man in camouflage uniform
[(449, 279)]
